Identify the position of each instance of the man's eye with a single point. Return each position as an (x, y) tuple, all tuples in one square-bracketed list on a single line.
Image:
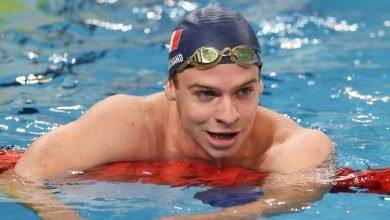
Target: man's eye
[(245, 92), (205, 95)]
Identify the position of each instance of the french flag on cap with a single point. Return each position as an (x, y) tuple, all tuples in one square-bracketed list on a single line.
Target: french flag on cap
[(175, 38)]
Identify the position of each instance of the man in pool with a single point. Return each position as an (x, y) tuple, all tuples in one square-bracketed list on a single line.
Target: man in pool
[(209, 112)]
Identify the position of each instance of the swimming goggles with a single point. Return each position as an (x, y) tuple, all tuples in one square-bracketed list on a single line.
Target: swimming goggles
[(208, 57)]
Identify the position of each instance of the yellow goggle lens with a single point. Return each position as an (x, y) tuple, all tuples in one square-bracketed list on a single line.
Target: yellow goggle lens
[(244, 55), (205, 55)]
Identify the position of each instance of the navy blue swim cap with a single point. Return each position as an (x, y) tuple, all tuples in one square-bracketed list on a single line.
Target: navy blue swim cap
[(210, 26)]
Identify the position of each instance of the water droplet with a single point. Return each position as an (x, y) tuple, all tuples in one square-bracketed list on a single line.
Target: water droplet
[(219, 164)]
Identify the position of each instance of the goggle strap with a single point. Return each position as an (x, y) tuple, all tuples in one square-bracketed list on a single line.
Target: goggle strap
[(183, 66)]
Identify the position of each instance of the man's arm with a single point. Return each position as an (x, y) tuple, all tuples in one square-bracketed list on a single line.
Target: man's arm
[(288, 192), (36, 197), (112, 130)]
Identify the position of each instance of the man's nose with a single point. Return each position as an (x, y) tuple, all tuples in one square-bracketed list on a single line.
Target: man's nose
[(227, 113)]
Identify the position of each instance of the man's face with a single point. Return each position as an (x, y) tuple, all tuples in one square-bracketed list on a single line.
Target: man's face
[(217, 107)]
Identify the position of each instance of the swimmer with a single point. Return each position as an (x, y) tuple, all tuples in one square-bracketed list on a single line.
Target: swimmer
[(208, 112)]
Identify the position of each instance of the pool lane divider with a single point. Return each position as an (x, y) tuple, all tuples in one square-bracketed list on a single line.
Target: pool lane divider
[(186, 174)]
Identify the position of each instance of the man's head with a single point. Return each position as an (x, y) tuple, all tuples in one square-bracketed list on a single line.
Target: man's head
[(216, 101), (204, 33)]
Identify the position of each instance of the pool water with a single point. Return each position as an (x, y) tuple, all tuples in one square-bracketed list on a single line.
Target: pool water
[(325, 66)]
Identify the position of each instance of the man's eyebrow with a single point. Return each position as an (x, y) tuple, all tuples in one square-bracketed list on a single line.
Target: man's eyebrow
[(254, 80), (198, 85), (205, 86)]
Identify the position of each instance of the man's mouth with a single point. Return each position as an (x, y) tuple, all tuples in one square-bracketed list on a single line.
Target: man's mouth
[(223, 135), (222, 140)]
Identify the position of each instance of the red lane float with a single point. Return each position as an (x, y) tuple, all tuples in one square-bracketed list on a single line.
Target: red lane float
[(185, 174)]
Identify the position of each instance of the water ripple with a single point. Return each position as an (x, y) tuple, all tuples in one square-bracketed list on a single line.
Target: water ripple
[(370, 99)]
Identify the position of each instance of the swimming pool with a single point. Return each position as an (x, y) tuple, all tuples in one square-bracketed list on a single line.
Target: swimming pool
[(325, 66)]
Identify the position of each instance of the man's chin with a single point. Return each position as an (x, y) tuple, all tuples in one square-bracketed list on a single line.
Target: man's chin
[(219, 153)]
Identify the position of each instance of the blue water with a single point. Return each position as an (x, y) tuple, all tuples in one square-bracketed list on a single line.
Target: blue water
[(325, 65)]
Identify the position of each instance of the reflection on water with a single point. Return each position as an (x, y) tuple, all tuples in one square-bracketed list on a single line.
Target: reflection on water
[(296, 30), (370, 99)]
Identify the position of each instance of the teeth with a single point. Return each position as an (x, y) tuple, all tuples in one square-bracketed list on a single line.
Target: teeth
[(222, 135)]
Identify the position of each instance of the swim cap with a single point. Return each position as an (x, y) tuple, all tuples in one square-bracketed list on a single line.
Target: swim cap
[(210, 26)]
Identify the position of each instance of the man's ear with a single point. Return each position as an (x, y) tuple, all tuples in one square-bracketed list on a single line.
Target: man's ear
[(170, 91)]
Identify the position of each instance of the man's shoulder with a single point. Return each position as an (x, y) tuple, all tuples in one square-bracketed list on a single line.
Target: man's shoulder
[(124, 110), (130, 118), (293, 147), (132, 99), (300, 150), (269, 114), (128, 103), (274, 123)]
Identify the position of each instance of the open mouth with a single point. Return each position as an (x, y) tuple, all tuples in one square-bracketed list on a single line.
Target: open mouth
[(222, 140), (223, 135)]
